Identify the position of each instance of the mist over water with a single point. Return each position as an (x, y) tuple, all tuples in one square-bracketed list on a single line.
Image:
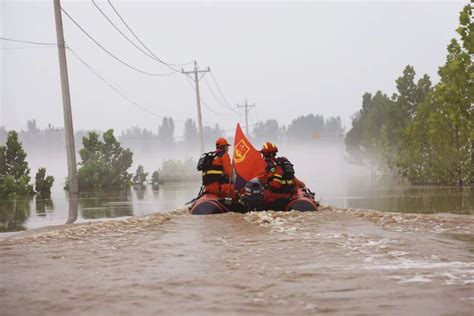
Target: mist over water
[(376, 246), (320, 164)]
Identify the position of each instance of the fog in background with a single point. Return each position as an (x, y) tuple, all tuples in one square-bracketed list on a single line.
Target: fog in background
[(289, 58)]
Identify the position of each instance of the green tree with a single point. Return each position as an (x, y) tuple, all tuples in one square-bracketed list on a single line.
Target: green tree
[(140, 176), (104, 164), (438, 144), (14, 171), (364, 139), (43, 183), (173, 170), (402, 111)]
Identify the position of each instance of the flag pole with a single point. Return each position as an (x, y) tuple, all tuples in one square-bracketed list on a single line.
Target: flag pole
[(232, 172)]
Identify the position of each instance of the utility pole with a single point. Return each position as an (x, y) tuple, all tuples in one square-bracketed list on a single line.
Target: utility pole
[(247, 109), (68, 129), (196, 71)]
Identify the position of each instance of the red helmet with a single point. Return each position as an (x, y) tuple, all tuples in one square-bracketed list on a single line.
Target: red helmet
[(221, 142), (269, 148)]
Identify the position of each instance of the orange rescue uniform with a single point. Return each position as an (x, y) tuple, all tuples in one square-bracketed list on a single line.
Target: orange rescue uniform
[(221, 188)]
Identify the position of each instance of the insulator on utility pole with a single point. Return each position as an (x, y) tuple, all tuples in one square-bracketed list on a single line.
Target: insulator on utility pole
[(68, 128), (247, 108), (196, 71)]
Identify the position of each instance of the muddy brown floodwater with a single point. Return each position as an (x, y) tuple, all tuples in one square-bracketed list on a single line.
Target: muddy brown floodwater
[(337, 261)]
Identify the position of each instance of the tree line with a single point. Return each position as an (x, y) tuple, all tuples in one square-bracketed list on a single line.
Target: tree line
[(424, 131), (305, 128)]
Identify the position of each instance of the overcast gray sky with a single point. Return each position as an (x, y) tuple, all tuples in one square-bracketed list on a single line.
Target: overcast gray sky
[(289, 58)]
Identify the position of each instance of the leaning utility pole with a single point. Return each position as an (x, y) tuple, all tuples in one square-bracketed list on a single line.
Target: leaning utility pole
[(68, 130), (247, 109), (198, 98)]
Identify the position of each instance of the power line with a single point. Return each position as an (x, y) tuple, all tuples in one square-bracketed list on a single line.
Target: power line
[(202, 101), (114, 88), (170, 65), (26, 47), (128, 38), (109, 53), (220, 92), (215, 96), (27, 42)]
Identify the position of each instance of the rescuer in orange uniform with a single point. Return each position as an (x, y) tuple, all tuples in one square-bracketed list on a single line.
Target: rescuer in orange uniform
[(279, 181), (216, 176)]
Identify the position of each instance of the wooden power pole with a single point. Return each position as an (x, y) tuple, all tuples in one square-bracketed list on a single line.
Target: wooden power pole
[(68, 128), (196, 71), (247, 108)]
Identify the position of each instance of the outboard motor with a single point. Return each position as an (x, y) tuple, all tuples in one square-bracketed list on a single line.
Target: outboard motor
[(253, 196)]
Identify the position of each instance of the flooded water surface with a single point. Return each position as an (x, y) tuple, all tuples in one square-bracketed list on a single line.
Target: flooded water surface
[(336, 261), (378, 247)]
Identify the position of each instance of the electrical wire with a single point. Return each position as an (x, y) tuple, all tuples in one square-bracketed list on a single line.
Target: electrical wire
[(201, 99), (25, 47), (213, 93), (220, 92), (170, 65), (27, 42), (108, 52), (113, 87), (128, 38)]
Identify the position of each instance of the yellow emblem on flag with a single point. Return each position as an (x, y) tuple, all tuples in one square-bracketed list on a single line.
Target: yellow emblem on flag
[(240, 151)]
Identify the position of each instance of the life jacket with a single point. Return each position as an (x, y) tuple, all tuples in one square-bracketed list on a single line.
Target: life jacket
[(212, 173), (274, 175), (287, 176)]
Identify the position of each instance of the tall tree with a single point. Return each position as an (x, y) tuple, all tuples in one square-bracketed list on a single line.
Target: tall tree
[(402, 111), (305, 128), (166, 131), (267, 131), (438, 144), (191, 136)]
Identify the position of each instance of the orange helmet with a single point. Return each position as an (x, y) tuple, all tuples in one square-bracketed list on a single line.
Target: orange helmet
[(221, 142), (269, 148)]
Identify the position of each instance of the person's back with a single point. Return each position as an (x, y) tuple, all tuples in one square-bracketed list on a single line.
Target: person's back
[(280, 181), (216, 176)]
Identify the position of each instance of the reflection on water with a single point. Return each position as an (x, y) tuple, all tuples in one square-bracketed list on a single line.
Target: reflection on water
[(43, 206), (13, 214), (73, 208), (112, 204), (379, 194), (62, 208)]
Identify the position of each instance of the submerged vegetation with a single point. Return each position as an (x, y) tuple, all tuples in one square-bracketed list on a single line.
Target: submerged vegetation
[(15, 173), (104, 163), (424, 132), (140, 176), (173, 170), (43, 183)]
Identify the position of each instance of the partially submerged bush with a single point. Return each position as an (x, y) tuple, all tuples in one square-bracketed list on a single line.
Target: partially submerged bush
[(104, 163), (14, 171), (140, 176), (43, 183), (176, 171), (155, 178)]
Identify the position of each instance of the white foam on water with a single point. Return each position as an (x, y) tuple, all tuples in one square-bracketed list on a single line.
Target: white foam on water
[(419, 264), (416, 279), (467, 298)]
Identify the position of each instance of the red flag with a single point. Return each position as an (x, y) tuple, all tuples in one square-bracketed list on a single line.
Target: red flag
[(248, 162)]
